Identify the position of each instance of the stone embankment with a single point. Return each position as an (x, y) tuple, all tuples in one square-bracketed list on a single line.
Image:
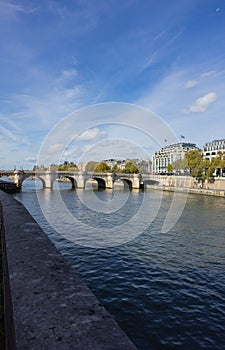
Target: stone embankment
[(47, 306), (215, 187)]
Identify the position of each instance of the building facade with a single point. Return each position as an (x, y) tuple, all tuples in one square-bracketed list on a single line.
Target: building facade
[(213, 148), (169, 154)]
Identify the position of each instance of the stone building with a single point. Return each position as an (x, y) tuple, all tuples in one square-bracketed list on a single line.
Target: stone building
[(167, 155), (211, 149)]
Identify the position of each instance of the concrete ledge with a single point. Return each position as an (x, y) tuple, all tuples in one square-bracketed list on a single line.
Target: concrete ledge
[(47, 305)]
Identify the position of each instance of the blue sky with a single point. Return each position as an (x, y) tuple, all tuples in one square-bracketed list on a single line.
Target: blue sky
[(59, 56)]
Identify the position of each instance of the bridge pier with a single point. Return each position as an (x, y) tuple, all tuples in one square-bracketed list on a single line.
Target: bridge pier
[(49, 179), (136, 182), (81, 179), (109, 181)]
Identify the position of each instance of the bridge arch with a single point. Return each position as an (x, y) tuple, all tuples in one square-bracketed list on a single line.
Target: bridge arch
[(42, 180), (101, 182), (128, 184), (147, 183), (35, 177), (72, 179)]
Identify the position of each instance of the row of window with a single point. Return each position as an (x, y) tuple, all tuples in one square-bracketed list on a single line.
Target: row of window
[(217, 148)]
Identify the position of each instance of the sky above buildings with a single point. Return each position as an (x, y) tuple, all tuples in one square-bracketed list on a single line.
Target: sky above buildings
[(61, 56)]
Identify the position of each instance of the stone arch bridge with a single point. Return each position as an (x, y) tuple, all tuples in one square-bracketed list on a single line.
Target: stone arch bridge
[(79, 179)]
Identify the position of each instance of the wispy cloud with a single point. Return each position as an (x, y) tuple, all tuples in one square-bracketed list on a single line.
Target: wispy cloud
[(151, 60), (193, 82), (11, 9), (208, 74)]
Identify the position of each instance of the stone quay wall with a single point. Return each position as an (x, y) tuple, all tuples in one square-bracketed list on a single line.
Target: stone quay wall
[(215, 187)]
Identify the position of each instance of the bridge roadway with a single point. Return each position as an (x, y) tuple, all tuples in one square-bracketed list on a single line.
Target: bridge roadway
[(79, 179)]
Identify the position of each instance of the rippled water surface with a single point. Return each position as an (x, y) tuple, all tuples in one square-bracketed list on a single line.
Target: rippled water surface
[(166, 290)]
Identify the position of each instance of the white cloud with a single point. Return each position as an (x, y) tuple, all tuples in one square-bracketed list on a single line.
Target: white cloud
[(202, 103), (190, 83), (91, 134), (208, 74)]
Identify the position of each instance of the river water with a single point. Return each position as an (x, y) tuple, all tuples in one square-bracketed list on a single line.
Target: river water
[(166, 290)]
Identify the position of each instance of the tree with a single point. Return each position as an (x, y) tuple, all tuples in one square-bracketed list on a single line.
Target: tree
[(131, 168), (67, 166), (180, 165), (115, 168), (169, 168), (195, 163), (102, 167)]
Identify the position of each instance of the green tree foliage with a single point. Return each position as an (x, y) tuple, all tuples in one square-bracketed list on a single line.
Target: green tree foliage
[(169, 168), (67, 166), (180, 164), (204, 168), (102, 167), (115, 168), (195, 163), (131, 168)]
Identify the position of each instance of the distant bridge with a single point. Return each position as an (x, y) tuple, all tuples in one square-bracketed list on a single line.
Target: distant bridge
[(79, 179)]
